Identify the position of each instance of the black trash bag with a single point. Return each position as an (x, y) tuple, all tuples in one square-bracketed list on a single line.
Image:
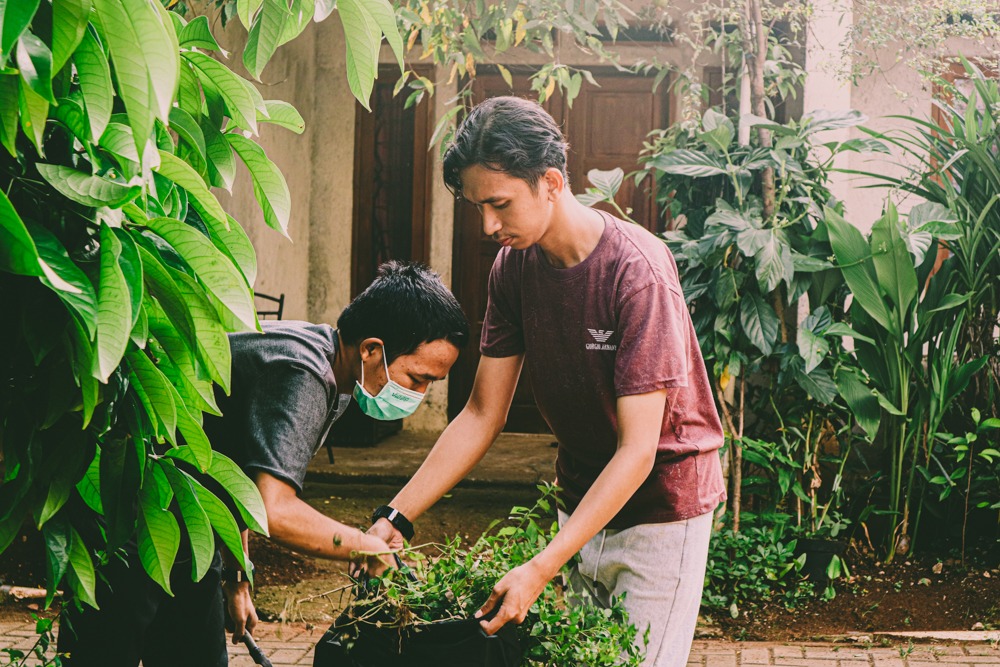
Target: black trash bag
[(455, 643)]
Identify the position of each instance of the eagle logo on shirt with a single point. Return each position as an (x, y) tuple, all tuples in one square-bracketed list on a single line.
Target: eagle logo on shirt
[(601, 337)]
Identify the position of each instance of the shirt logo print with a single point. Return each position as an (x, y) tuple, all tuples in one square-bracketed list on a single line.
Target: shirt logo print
[(601, 337)]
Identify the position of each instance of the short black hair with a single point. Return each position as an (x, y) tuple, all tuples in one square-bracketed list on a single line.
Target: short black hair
[(510, 135), (406, 305)]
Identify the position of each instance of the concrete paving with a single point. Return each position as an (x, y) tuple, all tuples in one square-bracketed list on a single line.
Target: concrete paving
[(291, 644)]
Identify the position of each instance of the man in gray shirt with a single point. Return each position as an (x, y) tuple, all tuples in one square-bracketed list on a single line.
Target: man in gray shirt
[(289, 384)]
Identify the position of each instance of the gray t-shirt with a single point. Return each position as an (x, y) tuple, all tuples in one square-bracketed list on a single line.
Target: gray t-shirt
[(284, 399)]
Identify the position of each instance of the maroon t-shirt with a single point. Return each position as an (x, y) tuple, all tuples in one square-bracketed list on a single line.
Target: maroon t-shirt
[(615, 324)]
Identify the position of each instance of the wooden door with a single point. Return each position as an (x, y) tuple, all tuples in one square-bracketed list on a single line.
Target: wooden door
[(605, 128)]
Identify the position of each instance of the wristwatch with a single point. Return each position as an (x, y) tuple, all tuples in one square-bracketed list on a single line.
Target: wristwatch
[(396, 518), (235, 576)]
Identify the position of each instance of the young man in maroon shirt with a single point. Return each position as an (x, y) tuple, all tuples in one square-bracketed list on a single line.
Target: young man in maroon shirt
[(592, 307)]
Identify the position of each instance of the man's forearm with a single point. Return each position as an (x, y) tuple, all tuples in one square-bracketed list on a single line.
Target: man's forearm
[(301, 528), (461, 446), (619, 480)]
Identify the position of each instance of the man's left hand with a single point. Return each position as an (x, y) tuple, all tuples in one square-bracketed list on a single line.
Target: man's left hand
[(515, 592), (241, 609)]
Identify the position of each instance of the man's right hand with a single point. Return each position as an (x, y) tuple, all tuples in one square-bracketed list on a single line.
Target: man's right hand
[(370, 556), (385, 531)]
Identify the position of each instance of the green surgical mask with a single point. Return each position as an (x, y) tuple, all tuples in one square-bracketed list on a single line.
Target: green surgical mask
[(392, 402)]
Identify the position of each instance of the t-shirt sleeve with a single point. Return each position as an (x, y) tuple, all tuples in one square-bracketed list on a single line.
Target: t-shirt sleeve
[(286, 417), (503, 335), (653, 350)]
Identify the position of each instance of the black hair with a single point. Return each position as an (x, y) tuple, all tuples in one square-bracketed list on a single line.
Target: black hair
[(406, 305), (510, 135)]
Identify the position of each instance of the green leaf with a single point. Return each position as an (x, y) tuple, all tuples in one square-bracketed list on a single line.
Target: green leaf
[(684, 162), (57, 538), (159, 536), (608, 182), (89, 486), (819, 384), (9, 111), (212, 343), (385, 18), (363, 37), (85, 189), (774, 262), (69, 283), (235, 243), (70, 112), (807, 264), (189, 91), (221, 161), (15, 17), (243, 492), (34, 60), (114, 312), (199, 528), (156, 389), (180, 364), (83, 579), (302, 12), (283, 114), (812, 348), (247, 10), (842, 329), (131, 266), (216, 271), (893, 266), (855, 260), (18, 253), (198, 34), (223, 524), (181, 173), (118, 141), (233, 89), (95, 83), (760, 323), (188, 129), (34, 110), (269, 185), (69, 23), (264, 35)]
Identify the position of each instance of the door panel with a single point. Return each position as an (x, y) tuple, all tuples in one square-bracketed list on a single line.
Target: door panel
[(605, 129)]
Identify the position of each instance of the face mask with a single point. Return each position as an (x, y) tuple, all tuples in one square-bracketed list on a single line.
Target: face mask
[(392, 402)]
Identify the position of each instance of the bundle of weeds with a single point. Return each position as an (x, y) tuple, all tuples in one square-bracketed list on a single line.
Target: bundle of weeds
[(450, 581)]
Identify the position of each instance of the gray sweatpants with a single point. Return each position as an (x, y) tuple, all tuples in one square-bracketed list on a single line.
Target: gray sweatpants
[(661, 569)]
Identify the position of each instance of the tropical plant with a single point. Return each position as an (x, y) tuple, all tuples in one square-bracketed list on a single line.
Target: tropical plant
[(906, 343), (121, 275), (455, 581)]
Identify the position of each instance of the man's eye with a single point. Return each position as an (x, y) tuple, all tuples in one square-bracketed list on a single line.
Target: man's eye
[(503, 205)]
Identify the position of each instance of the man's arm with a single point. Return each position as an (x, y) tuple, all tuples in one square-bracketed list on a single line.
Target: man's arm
[(462, 444), (295, 524), (237, 594), (640, 418)]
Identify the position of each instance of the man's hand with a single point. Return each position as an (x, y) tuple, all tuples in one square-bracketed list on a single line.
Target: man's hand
[(370, 556), (385, 531), (518, 590), (241, 609)]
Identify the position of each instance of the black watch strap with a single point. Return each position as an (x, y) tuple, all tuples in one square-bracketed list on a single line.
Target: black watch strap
[(236, 575), (396, 518)]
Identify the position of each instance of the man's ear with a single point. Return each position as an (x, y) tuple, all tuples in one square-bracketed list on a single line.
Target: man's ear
[(369, 346), (554, 182)]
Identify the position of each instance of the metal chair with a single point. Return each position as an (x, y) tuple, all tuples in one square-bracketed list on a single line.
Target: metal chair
[(278, 307)]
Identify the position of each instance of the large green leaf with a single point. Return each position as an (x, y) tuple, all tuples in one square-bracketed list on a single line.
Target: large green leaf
[(71, 113), (221, 161), (283, 114), (57, 538), (893, 265), (70, 284), (812, 348), (269, 185), (118, 141), (154, 387), (18, 253), (191, 381), (684, 162), (34, 110), (233, 89), (15, 17), (774, 262), (95, 83), (189, 90), (244, 492), (212, 343), (181, 173), (759, 321), (9, 111), (69, 23), (264, 35), (83, 579), (860, 400), (198, 34), (34, 60), (247, 11), (302, 12), (131, 266), (363, 38), (199, 528), (236, 244), (114, 310), (187, 128), (216, 271), (385, 18), (86, 189), (855, 259), (818, 384), (223, 523), (159, 535)]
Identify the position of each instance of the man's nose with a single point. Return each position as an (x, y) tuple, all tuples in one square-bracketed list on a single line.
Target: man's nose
[(491, 223)]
